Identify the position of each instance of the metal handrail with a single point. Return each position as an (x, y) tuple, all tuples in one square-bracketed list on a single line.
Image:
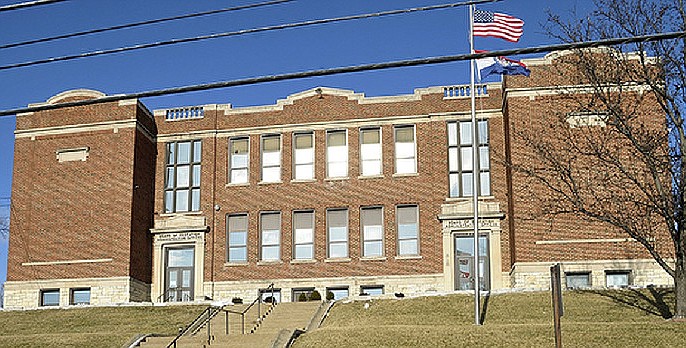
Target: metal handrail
[(242, 313), (166, 296), (197, 320)]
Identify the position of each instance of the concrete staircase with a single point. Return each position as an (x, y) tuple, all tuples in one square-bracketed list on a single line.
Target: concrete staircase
[(273, 330)]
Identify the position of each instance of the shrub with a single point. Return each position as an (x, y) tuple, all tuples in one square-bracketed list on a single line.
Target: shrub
[(302, 297), (315, 296), (329, 295)]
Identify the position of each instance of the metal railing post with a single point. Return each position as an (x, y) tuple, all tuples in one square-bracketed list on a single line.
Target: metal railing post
[(259, 301), (227, 322), (209, 335), (243, 323)]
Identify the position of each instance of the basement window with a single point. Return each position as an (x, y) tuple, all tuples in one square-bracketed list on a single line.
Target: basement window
[(617, 279), (302, 294), (50, 297), (371, 290), (80, 296), (578, 280), (338, 292)]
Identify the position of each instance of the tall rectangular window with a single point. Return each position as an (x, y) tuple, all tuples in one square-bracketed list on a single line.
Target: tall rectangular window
[(336, 154), (337, 233), (270, 236), (371, 220), (405, 150), (303, 158), (408, 230), (303, 235), (460, 159), (271, 158), (370, 152), (237, 230), (182, 176), (239, 158)]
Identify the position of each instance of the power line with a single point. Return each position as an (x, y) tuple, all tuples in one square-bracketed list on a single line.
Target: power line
[(241, 32), (137, 24), (355, 68), (28, 4)]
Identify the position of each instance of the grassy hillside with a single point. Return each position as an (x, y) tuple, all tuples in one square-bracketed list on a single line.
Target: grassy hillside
[(621, 318), (90, 327)]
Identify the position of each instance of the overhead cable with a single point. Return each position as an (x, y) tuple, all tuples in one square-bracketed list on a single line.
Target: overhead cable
[(355, 68), (28, 4), (138, 24), (241, 32)]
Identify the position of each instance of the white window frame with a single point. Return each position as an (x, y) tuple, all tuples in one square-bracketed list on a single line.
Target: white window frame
[(400, 169), (266, 167), (329, 242), (296, 241), (340, 159), (300, 171), (276, 244), (173, 189), (401, 239), (371, 156), (460, 174), (367, 229), (233, 168), (236, 246)]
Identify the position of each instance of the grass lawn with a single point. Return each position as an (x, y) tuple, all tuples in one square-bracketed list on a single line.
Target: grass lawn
[(612, 318), (90, 327)]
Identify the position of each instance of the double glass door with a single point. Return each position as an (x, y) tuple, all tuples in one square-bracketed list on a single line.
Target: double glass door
[(179, 275), (464, 263)]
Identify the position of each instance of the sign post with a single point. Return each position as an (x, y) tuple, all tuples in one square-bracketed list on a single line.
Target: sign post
[(558, 309)]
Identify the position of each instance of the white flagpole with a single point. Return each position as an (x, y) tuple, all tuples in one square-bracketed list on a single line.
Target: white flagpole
[(475, 172)]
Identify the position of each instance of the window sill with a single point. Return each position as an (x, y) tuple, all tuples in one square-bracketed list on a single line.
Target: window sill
[(235, 264), (181, 214), (342, 259), (340, 178), (459, 199), (295, 262), (408, 257), (370, 177), (269, 182), (296, 181), (403, 175), (373, 258), (266, 263), (237, 184)]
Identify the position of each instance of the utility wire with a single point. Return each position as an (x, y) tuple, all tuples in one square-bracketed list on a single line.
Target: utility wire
[(355, 68), (28, 4), (242, 32), (138, 24)]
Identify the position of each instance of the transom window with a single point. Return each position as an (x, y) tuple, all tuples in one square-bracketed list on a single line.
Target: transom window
[(303, 159), (182, 176), (271, 158), (239, 158), (460, 163), (337, 233), (237, 230), (336, 154), (405, 150), (408, 230), (370, 152), (303, 235), (372, 231), (270, 236)]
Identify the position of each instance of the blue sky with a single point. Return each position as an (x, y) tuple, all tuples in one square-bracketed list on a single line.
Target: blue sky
[(423, 34)]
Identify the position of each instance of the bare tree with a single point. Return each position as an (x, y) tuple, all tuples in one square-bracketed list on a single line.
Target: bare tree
[(616, 155)]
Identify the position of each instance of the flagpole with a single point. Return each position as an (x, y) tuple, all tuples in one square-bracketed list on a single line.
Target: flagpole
[(475, 172)]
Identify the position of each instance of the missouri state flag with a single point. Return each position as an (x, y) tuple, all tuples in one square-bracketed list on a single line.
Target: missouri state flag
[(494, 24), (500, 66)]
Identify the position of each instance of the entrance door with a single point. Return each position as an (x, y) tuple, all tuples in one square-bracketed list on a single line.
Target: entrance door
[(464, 263), (179, 275)]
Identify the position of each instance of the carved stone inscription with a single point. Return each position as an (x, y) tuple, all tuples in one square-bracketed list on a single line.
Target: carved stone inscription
[(465, 224), (179, 237)]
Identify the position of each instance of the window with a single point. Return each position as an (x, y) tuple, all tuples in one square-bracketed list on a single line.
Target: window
[(408, 230), (576, 280), (303, 235), (371, 290), (270, 236), (336, 154), (182, 177), (617, 278), (50, 297), (80, 296), (405, 150), (270, 296), (239, 150), (302, 294), (237, 229), (303, 159), (372, 231), (370, 152), (338, 292), (271, 158), (337, 232), (460, 163)]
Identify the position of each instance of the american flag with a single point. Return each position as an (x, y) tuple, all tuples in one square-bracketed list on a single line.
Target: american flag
[(496, 24)]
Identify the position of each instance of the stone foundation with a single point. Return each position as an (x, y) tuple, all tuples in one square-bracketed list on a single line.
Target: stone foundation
[(104, 291), (536, 275)]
